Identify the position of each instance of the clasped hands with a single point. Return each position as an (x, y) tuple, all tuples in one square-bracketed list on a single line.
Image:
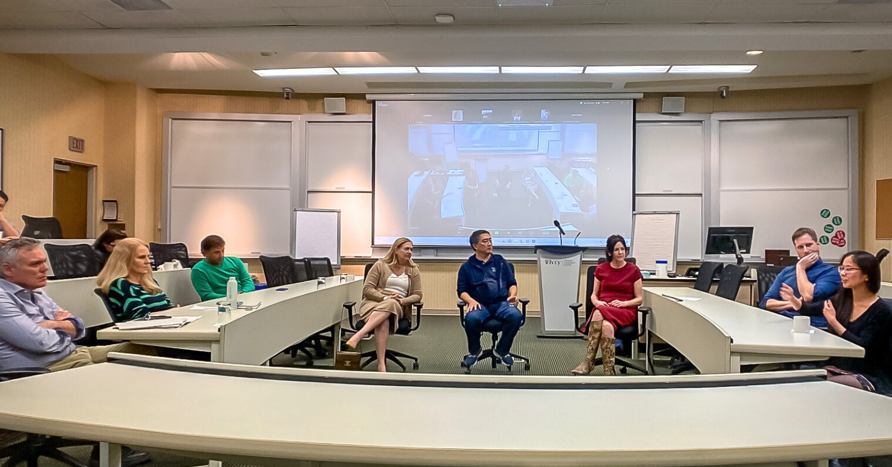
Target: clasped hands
[(475, 305), (615, 303), (393, 296), (786, 293)]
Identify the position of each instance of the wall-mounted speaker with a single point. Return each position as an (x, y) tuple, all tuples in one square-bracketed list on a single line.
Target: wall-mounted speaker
[(673, 105), (335, 105)]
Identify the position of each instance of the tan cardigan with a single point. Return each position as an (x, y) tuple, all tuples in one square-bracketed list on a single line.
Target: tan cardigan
[(376, 281)]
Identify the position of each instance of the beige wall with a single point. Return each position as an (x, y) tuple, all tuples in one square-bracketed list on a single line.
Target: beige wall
[(876, 163)]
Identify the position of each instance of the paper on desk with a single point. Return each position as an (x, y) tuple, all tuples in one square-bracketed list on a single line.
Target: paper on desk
[(173, 322), (202, 307)]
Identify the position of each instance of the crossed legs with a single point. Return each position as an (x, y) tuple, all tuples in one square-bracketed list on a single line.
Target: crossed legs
[(601, 333), (378, 322)]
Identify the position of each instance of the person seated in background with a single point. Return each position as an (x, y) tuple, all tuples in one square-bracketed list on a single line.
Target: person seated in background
[(811, 279), (391, 287), (36, 332), (486, 284), (858, 315), (127, 281), (6, 228), (105, 243), (616, 294), (210, 275)]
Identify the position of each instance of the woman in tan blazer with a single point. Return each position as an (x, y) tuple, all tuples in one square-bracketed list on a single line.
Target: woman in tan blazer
[(391, 287)]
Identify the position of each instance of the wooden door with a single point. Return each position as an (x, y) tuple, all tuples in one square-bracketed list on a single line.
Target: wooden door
[(71, 198)]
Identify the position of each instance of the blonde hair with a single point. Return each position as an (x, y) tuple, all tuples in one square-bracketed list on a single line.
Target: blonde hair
[(118, 266), (390, 257)]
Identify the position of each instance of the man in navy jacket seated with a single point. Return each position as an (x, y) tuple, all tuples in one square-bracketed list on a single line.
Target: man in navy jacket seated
[(486, 283)]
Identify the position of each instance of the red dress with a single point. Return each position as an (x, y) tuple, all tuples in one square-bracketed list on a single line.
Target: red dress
[(617, 284)]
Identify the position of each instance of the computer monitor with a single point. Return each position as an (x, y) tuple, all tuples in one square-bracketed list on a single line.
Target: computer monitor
[(729, 240)]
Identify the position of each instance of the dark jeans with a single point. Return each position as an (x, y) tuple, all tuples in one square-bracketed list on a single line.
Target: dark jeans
[(510, 317)]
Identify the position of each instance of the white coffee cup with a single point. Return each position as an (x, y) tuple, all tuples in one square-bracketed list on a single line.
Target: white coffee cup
[(801, 324)]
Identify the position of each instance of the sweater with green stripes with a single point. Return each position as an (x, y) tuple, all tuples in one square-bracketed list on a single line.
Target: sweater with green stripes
[(130, 301)]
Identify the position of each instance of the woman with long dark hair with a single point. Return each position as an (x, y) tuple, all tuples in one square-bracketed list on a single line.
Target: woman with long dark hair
[(859, 316)]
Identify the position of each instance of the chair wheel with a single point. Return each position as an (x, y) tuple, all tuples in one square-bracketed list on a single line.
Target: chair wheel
[(467, 369), (415, 366), (509, 370), (321, 354), (623, 370), (526, 367)]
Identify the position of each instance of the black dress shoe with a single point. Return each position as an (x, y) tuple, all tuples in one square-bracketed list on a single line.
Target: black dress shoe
[(129, 457)]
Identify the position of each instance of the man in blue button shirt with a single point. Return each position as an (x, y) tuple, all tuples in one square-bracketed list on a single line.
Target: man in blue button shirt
[(486, 283), (810, 279)]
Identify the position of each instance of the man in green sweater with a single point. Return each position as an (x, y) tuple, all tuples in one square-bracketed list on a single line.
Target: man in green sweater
[(210, 275)]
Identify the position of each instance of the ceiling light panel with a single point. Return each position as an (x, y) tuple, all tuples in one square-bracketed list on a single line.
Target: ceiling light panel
[(377, 70), (290, 72), (712, 68), (622, 69), (552, 70), (459, 69)]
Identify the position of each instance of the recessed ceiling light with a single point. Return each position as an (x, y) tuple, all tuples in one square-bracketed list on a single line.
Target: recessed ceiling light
[(286, 72), (755, 52), (459, 69), (444, 19), (377, 70), (627, 69), (542, 69), (712, 68)]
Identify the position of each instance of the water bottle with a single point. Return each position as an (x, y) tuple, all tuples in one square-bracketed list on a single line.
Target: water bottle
[(232, 293)]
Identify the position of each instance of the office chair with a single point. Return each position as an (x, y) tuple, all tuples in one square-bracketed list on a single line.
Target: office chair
[(284, 270), (494, 326), (36, 446), (302, 272), (108, 308), (627, 334), (729, 283), (403, 328), (708, 271), (166, 252), (766, 274), (319, 267), (71, 261), (41, 227)]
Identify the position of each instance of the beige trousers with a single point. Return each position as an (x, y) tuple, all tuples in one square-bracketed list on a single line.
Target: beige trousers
[(83, 356)]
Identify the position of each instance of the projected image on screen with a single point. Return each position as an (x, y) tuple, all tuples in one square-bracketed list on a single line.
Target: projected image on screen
[(445, 169)]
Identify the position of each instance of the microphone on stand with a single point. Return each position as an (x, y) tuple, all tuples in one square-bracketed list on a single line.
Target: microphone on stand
[(560, 230)]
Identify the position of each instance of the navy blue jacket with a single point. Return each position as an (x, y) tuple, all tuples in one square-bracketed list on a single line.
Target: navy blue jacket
[(488, 282)]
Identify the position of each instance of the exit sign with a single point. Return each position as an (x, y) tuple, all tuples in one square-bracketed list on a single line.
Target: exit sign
[(75, 144)]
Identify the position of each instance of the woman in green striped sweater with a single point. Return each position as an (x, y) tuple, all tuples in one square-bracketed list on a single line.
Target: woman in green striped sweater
[(127, 281)]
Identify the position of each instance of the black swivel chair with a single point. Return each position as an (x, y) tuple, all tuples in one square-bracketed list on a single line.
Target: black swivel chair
[(284, 270), (766, 274), (729, 283), (71, 261), (629, 335), (403, 328), (494, 327), (318, 268), (708, 272), (167, 252), (105, 302), (41, 227), (35, 446)]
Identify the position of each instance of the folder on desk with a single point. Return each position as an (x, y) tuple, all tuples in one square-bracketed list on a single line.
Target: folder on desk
[(173, 322)]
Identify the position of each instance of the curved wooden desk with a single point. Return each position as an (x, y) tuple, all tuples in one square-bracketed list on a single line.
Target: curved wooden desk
[(269, 415), (719, 335)]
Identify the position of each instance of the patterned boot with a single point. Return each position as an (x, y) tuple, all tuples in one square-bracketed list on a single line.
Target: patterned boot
[(591, 350), (608, 355)]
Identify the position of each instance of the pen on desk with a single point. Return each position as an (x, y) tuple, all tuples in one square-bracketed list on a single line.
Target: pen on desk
[(673, 298)]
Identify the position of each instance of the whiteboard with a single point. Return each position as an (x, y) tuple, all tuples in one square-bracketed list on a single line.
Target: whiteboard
[(690, 221), (777, 214), (317, 233), (654, 237), (226, 153), (356, 219), (339, 156), (669, 157), (252, 221)]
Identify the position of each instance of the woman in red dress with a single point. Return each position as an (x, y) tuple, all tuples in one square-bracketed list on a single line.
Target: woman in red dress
[(616, 294)]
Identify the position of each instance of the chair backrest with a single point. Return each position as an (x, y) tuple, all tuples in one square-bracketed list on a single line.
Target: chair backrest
[(368, 267), (708, 271), (766, 274), (279, 270), (629, 259), (71, 261), (301, 270), (319, 267), (105, 302), (167, 252), (729, 284), (589, 287), (41, 227)]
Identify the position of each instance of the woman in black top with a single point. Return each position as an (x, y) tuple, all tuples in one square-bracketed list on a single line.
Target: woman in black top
[(859, 316), (103, 246)]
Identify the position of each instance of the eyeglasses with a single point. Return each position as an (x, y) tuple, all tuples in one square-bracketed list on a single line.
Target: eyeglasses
[(844, 270)]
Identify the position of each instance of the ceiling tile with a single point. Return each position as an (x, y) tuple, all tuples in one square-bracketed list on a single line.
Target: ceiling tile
[(46, 20), (343, 16), (332, 3), (657, 13), (776, 2), (214, 4), (869, 12), (578, 2), (141, 19), (425, 15), (57, 5), (578, 14), (659, 2), (444, 3), (224, 17), (765, 13)]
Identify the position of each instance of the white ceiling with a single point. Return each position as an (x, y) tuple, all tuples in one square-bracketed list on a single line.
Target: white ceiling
[(214, 44)]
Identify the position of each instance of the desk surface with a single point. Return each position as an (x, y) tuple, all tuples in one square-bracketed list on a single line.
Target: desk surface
[(276, 418), (886, 290)]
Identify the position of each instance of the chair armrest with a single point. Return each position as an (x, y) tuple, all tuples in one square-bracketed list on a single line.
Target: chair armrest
[(15, 373), (418, 306), (523, 309), (461, 311), (574, 308), (350, 306), (644, 310)]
